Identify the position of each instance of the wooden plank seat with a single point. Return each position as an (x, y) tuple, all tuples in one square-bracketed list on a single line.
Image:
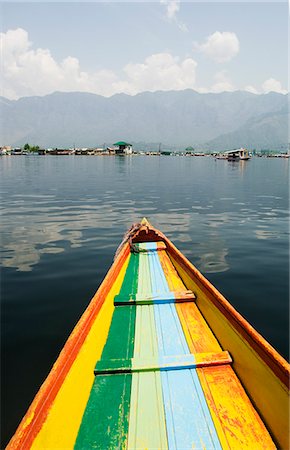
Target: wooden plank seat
[(174, 362), (148, 247), (155, 298)]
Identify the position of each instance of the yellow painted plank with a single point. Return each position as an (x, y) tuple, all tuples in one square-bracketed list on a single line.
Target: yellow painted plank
[(173, 279), (197, 332), (237, 423), (60, 429), (212, 359)]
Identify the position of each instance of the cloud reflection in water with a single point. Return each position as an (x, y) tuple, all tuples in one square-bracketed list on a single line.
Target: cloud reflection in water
[(44, 225)]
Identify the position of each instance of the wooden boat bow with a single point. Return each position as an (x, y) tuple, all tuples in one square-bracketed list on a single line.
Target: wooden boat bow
[(160, 359)]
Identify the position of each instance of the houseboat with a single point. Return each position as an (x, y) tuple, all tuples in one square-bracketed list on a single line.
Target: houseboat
[(237, 155)]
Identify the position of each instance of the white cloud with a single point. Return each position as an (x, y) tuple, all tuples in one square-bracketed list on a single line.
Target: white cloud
[(222, 83), (250, 88), (220, 46), (272, 85), (27, 71), (159, 72), (172, 8)]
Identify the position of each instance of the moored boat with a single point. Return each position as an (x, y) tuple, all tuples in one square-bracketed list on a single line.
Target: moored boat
[(237, 155), (160, 359)]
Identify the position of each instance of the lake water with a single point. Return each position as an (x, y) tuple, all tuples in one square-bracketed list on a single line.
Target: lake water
[(63, 217)]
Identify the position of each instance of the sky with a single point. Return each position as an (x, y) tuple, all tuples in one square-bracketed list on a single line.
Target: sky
[(131, 47)]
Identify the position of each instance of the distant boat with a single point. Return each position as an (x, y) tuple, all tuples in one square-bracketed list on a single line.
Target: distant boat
[(160, 359), (237, 155)]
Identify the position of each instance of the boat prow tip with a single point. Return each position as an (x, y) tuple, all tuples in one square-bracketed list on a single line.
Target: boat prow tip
[(144, 221)]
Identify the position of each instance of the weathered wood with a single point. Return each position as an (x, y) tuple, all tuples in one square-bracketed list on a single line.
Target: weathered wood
[(162, 379), (236, 420), (263, 372), (109, 402), (51, 411), (148, 247), (106, 418), (188, 420), (147, 426), (172, 362), (155, 297)]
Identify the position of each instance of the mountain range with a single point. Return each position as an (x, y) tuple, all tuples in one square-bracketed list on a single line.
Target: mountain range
[(176, 119)]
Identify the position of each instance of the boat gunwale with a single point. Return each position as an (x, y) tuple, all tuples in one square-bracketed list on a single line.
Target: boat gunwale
[(39, 407)]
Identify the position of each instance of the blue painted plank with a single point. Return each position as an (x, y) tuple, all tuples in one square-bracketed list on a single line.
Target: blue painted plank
[(188, 420), (189, 424), (171, 339), (158, 279)]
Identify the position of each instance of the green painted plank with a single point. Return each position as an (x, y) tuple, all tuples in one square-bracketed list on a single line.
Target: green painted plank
[(106, 419), (120, 342), (130, 283)]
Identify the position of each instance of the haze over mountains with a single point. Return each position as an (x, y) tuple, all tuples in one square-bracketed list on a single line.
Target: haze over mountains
[(174, 118)]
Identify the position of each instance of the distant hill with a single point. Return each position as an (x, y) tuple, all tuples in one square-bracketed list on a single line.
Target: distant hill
[(173, 118), (268, 131)]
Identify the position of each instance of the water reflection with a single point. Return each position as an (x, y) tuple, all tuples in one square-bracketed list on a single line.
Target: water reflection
[(265, 234), (206, 244), (202, 221), (31, 231), (44, 229), (214, 262)]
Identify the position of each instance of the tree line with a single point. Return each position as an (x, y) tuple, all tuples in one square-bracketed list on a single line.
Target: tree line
[(31, 148)]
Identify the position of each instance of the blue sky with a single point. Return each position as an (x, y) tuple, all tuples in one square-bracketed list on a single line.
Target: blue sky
[(111, 47)]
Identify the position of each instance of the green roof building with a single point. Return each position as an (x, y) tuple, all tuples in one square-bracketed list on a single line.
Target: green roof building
[(124, 148)]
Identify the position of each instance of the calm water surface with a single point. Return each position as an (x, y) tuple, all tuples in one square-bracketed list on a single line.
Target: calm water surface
[(62, 219)]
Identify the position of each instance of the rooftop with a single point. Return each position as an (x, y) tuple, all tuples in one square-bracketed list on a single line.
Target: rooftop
[(122, 143)]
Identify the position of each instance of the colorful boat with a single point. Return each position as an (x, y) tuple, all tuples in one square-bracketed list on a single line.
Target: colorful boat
[(160, 360)]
